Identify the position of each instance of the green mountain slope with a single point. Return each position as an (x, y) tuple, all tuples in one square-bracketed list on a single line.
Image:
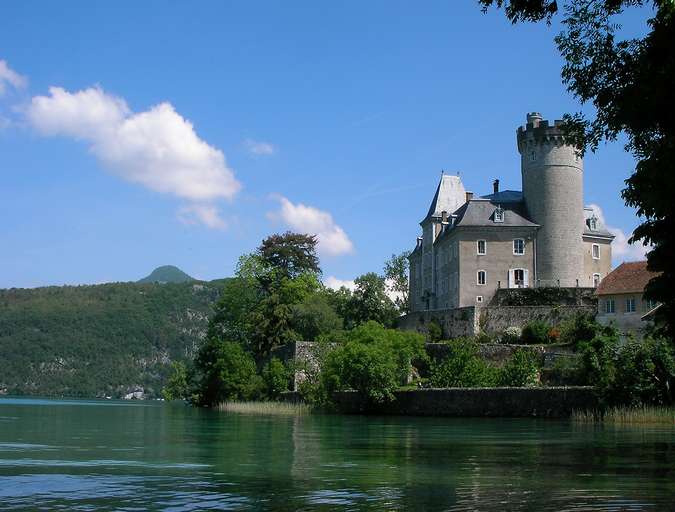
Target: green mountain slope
[(102, 340), (167, 274)]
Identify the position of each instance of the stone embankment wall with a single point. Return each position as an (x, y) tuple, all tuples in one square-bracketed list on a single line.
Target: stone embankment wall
[(470, 321), (496, 353), (554, 402), (493, 320)]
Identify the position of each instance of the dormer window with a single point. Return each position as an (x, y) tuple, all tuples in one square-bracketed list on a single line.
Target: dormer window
[(499, 214), (592, 223)]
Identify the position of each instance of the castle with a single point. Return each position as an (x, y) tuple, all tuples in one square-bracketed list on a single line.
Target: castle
[(541, 236)]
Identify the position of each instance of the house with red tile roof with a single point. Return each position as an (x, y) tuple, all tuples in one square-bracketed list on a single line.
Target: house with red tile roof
[(621, 299)]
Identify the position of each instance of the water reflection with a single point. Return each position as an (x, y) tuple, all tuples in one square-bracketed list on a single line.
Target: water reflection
[(65, 456)]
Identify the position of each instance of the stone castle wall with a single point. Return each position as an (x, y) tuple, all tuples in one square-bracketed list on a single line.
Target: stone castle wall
[(470, 321)]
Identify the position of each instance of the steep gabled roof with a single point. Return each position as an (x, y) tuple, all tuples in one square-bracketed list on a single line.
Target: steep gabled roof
[(450, 195), (480, 212), (626, 278)]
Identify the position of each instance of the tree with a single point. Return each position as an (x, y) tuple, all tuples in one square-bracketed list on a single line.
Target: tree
[(370, 301), (630, 84), (291, 254), (177, 387), (225, 372), (396, 273)]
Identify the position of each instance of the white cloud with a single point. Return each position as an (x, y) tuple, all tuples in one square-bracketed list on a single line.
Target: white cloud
[(332, 239), (206, 214), (10, 77), (334, 283), (256, 147), (156, 148), (621, 249)]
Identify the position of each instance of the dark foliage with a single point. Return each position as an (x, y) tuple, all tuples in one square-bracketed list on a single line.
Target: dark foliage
[(291, 254)]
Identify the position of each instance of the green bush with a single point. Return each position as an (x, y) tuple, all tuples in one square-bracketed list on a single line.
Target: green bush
[(276, 377), (644, 373), (462, 368), (522, 369), (373, 361), (536, 333), (177, 387), (578, 330), (225, 372), (597, 359), (435, 331)]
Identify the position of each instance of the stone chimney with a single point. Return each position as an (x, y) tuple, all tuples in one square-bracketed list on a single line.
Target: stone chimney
[(495, 186), (469, 196)]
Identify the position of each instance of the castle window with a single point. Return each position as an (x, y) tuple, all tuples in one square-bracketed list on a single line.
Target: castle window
[(499, 214), (630, 305), (519, 246), (481, 277), (479, 298), (609, 306), (533, 156), (592, 223), (595, 248), (481, 247), (596, 280)]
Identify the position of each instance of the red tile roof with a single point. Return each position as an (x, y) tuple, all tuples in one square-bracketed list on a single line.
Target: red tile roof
[(626, 278)]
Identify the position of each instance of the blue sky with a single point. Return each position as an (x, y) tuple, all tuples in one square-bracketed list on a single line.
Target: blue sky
[(137, 134)]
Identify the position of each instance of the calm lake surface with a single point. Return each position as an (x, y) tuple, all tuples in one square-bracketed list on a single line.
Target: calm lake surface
[(109, 455)]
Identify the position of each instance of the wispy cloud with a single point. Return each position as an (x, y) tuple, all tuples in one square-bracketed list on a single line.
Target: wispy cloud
[(332, 239), (156, 148), (259, 148), (621, 249), (9, 77)]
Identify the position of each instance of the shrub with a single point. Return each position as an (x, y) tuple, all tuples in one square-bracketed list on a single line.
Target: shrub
[(225, 372), (522, 369), (462, 368), (536, 333), (644, 373), (597, 360), (578, 330), (373, 361), (276, 377), (177, 387), (511, 335), (435, 331)]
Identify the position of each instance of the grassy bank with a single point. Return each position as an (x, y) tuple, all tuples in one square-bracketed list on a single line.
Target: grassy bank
[(265, 408), (628, 416)]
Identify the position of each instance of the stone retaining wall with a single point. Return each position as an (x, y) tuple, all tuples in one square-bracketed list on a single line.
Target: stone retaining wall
[(496, 319), (470, 321), (554, 402)]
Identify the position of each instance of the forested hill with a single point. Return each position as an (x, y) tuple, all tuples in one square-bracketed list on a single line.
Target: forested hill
[(99, 340)]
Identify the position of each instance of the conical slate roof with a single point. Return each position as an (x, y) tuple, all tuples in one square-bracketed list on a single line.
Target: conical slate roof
[(449, 196)]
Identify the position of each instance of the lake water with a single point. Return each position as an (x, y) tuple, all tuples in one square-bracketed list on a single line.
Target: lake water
[(110, 455)]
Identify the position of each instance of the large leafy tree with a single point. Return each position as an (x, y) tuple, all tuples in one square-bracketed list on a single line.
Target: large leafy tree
[(396, 273), (370, 301), (630, 83), (291, 254)]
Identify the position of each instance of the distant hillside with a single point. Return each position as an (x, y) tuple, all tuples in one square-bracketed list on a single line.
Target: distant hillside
[(102, 340), (167, 274)]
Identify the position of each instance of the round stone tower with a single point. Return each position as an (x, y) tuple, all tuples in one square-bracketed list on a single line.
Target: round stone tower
[(552, 174)]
